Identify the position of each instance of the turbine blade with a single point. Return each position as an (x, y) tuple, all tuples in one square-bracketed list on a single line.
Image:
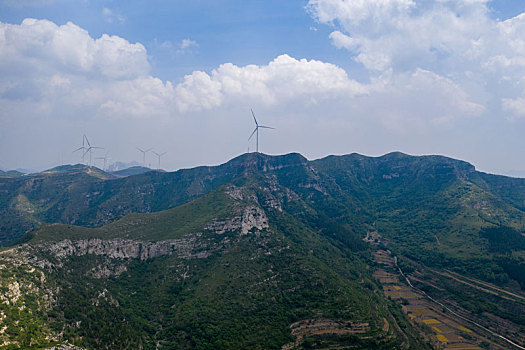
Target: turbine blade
[(254, 117), (78, 149), (139, 149), (87, 140), (155, 153), (252, 133), (148, 150), (163, 153), (266, 127)]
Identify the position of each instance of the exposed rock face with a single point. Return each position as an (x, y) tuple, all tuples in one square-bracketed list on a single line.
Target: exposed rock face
[(238, 193), (119, 248), (251, 217)]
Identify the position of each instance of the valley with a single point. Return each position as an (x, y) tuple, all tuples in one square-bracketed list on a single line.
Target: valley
[(446, 324)]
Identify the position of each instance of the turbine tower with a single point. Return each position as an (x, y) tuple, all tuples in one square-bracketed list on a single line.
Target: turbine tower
[(83, 147), (144, 155), (89, 149), (158, 156), (256, 131), (105, 160)]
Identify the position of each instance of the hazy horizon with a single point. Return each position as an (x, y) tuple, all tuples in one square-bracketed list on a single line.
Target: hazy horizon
[(153, 166)]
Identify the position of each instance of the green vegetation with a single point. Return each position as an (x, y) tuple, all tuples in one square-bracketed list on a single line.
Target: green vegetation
[(10, 173), (23, 304), (168, 224), (238, 280), (503, 239), (135, 170), (244, 293)]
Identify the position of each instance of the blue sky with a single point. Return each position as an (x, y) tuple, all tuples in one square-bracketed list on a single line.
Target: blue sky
[(241, 32), (333, 76)]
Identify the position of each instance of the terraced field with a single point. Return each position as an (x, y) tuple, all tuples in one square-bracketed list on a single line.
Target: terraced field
[(446, 328)]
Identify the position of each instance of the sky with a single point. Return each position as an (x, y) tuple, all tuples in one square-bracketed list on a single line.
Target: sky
[(331, 76)]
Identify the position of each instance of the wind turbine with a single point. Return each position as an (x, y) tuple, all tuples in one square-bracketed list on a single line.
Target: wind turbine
[(144, 155), (105, 160), (159, 155), (256, 131), (83, 148), (89, 149)]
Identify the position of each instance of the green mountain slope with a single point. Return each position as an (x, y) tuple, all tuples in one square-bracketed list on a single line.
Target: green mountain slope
[(430, 208), (134, 170), (75, 169), (72, 195), (232, 269), (260, 252), (413, 201), (10, 173)]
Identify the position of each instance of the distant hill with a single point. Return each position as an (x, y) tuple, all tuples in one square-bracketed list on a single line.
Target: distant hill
[(11, 173), (116, 166), (77, 168), (134, 170)]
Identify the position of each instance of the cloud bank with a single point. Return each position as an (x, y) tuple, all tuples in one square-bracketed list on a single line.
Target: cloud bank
[(455, 39), (62, 70)]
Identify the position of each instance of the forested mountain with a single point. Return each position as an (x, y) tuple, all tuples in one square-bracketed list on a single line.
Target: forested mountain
[(263, 252)]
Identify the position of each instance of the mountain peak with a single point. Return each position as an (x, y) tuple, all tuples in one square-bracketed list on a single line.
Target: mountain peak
[(134, 170), (263, 162), (77, 168), (398, 163)]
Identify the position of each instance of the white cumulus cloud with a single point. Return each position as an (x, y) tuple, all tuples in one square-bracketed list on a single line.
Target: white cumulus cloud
[(455, 39), (42, 46), (61, 68), (283, 79)]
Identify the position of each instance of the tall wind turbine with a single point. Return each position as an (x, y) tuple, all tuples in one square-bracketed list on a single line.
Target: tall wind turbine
[(83, 148), (256, 131), (89, 149), (158, 156), (144, 155)]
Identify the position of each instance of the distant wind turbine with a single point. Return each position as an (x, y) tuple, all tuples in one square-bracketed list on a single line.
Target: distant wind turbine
[(144, 155), (256, 131), (83, 148), (158, 156), (89, 149), (105, 160)]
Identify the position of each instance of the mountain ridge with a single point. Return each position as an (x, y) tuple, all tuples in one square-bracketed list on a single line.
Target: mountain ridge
[(263, 252), (73, 197)]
